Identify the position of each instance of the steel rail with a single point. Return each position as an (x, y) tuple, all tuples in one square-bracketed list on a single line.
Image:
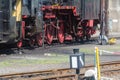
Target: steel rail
[(62, 73)]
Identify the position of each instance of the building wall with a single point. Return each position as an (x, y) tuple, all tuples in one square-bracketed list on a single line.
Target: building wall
[(114, 15)]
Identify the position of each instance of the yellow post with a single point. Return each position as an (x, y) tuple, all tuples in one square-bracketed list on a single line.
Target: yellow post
[(98, 63)]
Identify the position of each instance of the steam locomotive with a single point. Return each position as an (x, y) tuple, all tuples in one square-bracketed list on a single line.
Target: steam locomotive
[(45, 21)]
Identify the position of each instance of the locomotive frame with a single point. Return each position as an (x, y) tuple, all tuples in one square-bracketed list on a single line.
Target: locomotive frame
[(43, 21)]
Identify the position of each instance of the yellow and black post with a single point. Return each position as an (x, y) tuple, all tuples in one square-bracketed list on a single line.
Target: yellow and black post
[(97, 61), (17, 12)]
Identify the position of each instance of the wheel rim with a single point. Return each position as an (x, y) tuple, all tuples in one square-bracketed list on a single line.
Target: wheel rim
[(39, 39), (19, 44), (61, 34), (49, 34)]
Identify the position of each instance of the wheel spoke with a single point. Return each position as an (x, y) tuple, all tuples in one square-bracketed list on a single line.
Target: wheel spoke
[(61, 34), (39, 39), (49, 34)]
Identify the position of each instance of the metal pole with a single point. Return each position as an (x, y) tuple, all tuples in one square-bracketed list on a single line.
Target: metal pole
[(43, 31), (101, 19), (78, 72), (104, 21), (101, 16), (106, 17)]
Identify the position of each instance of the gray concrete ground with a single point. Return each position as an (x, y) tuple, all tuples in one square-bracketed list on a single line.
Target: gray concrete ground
[(111, 34)]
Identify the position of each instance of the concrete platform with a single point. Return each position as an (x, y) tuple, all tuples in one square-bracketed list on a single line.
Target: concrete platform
[(111, 34)]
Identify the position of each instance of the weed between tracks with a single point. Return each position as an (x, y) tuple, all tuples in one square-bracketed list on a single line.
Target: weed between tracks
[(28, 62)]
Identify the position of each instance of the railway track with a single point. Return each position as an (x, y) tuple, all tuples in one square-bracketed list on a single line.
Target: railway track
[(108, 69)]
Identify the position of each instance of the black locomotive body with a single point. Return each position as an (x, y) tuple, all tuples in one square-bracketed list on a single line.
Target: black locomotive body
[(8, 28)]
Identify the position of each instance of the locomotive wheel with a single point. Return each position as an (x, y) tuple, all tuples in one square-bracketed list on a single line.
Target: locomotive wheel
[(31, 42), (19, 44), (61, 36), (49, 34), (88, 37), (39, 39)]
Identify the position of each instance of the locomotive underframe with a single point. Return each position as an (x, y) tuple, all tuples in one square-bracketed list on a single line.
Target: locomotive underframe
[(64, 23), (59, 22)]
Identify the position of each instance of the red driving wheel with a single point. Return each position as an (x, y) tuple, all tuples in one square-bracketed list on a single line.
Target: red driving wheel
[(49, 34), (39, 39), (61, 33), (19, 44)]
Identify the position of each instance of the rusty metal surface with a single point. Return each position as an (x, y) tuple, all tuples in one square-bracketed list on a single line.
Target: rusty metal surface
[(108, 69)]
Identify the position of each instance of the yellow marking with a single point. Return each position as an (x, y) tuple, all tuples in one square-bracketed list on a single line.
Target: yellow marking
[(56, 5), (98, 63), (14, 13), (18, 11)]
